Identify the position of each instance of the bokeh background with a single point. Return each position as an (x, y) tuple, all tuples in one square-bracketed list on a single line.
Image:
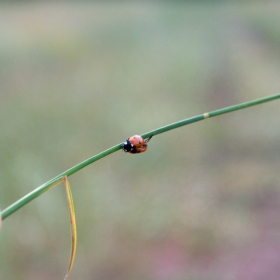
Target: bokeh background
[(79, 77)]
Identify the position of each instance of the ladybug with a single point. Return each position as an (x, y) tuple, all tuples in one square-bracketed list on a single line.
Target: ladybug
[(135, 144)]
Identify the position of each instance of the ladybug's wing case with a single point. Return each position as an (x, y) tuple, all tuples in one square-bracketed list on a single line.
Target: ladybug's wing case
[(137, 141)]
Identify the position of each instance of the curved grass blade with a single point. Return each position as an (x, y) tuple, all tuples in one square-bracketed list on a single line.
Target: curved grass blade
[(73, 228), (41, 189)]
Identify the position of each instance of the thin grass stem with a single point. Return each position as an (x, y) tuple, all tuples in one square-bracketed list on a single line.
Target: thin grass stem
[(46, 186)]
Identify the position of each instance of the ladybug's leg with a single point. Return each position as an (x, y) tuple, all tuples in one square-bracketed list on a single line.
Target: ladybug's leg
[(142, 149), (147, 140)]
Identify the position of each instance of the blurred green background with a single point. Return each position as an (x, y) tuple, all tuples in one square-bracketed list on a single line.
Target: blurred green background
[(79, 77)]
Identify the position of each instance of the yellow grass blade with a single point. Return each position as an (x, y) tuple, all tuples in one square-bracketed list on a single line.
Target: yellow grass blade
[(72, 226)]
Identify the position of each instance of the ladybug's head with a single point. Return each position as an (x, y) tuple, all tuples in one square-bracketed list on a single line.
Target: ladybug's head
[(127, 146)]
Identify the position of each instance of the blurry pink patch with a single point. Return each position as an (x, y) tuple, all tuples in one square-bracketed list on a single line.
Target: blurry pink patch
[(168, 260), (260, 262)]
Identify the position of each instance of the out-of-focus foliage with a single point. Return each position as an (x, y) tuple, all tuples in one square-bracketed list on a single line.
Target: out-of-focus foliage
[(77, 78)]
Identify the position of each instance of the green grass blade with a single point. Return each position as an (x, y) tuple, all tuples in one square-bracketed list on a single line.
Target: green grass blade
[(211, 114), (24, 200)]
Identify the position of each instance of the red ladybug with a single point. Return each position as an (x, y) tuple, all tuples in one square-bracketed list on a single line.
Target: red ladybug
[(136, 144)]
